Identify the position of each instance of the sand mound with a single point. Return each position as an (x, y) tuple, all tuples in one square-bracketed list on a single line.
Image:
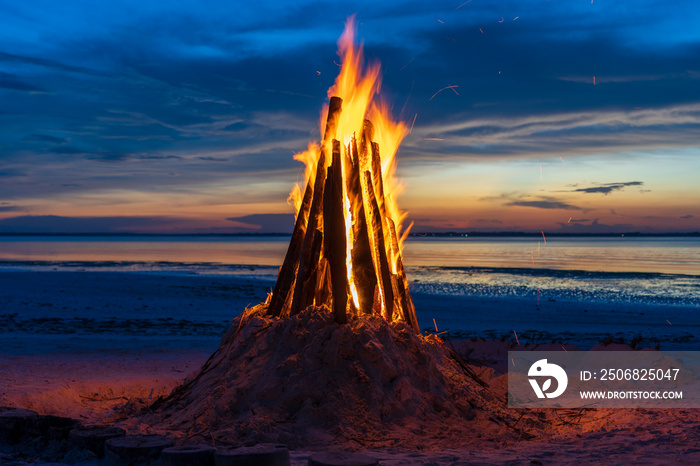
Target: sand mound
[(308, 381)]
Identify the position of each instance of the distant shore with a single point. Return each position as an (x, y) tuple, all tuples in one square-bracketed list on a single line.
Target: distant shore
[(416, 234)]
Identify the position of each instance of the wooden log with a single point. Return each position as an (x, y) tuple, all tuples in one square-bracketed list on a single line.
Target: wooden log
[(383, 271), (187, 455), (408, 310), (335, 107), (378, 178), (280, 298), (305, 291), (287, 273), (334, 235), (341, 458), (132, 449), (308, 263), (93, 438), (322, 292), (262, 454), (362, 265)]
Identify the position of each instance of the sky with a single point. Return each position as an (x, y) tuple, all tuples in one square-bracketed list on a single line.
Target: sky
[(184, 116)]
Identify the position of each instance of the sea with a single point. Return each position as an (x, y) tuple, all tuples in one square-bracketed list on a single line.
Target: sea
[(580, 290)]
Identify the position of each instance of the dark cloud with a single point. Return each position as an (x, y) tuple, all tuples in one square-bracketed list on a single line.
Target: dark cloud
[(11, 173), (686, 217), (267, 223), (67, 150), (12, 82), (608, 187), (51, 224), (45, 138), (46, 63), (10, 208), (543, 203), (59, 224), (596, 227)]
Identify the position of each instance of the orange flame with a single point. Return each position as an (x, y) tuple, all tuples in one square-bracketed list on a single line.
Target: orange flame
[(357, 85)]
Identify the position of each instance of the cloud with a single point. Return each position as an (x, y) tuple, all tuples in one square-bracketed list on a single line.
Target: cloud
[(686, 217), (608, 187), (10, 208), (266, 223), (45, 138), (12, 82), (59, 224), (596, 227), (544, 202)]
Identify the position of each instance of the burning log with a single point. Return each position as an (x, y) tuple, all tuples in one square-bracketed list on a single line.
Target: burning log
[(287, 273), (362, 266), (344, 252), (335, 244), (381, 260)]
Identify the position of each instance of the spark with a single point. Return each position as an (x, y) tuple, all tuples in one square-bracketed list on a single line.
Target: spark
[(562, 347), (482, 31), (319, 73), (594, 80), (414, 122), (545, 239), (446, 87), (435, 323), (569, 221), (513, 360), (562, 160), (501, 19), (516, 339), (433, 139), (468, 1), (516, 18), (409, 94), (669, 322), (441, 21), (409, 62)]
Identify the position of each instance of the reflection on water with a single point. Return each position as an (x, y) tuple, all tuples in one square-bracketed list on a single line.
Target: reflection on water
[(619, 254)]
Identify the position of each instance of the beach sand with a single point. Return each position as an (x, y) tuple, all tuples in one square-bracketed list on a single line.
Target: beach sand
[(76, 365)]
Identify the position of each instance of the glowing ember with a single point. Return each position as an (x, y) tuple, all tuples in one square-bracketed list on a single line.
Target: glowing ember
[(345, 252)]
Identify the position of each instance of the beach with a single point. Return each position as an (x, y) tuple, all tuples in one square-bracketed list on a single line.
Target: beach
[(84, 339)]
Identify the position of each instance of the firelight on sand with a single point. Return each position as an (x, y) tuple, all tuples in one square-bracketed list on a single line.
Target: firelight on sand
[(345, 251)]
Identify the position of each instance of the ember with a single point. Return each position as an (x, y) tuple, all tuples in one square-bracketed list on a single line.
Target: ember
[(345, 251)]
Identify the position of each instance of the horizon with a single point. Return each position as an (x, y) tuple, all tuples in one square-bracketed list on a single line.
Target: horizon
[(126, 118)]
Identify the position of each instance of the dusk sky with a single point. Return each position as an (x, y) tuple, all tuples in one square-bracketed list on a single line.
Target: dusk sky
[(183, 116)]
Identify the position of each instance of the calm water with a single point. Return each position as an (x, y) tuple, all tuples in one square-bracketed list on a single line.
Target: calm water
[(619, 254)]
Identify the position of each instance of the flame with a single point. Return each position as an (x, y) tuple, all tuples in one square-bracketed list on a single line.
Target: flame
[(357, 85), (310, 159)]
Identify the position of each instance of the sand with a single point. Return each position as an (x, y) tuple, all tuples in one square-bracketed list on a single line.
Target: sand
[(103, 377)]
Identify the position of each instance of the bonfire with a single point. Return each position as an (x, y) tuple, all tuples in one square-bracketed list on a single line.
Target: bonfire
[(335, 353), (345, 251)]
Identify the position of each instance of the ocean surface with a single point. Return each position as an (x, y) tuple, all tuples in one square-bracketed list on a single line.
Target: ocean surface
[(574, 289)]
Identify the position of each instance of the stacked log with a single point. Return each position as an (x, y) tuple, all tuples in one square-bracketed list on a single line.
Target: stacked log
[(345, 201)]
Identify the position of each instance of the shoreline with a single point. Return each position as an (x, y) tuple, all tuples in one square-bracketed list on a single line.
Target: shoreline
[(44, 311)]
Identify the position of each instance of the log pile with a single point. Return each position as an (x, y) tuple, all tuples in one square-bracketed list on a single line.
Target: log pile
[(344, 252)]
